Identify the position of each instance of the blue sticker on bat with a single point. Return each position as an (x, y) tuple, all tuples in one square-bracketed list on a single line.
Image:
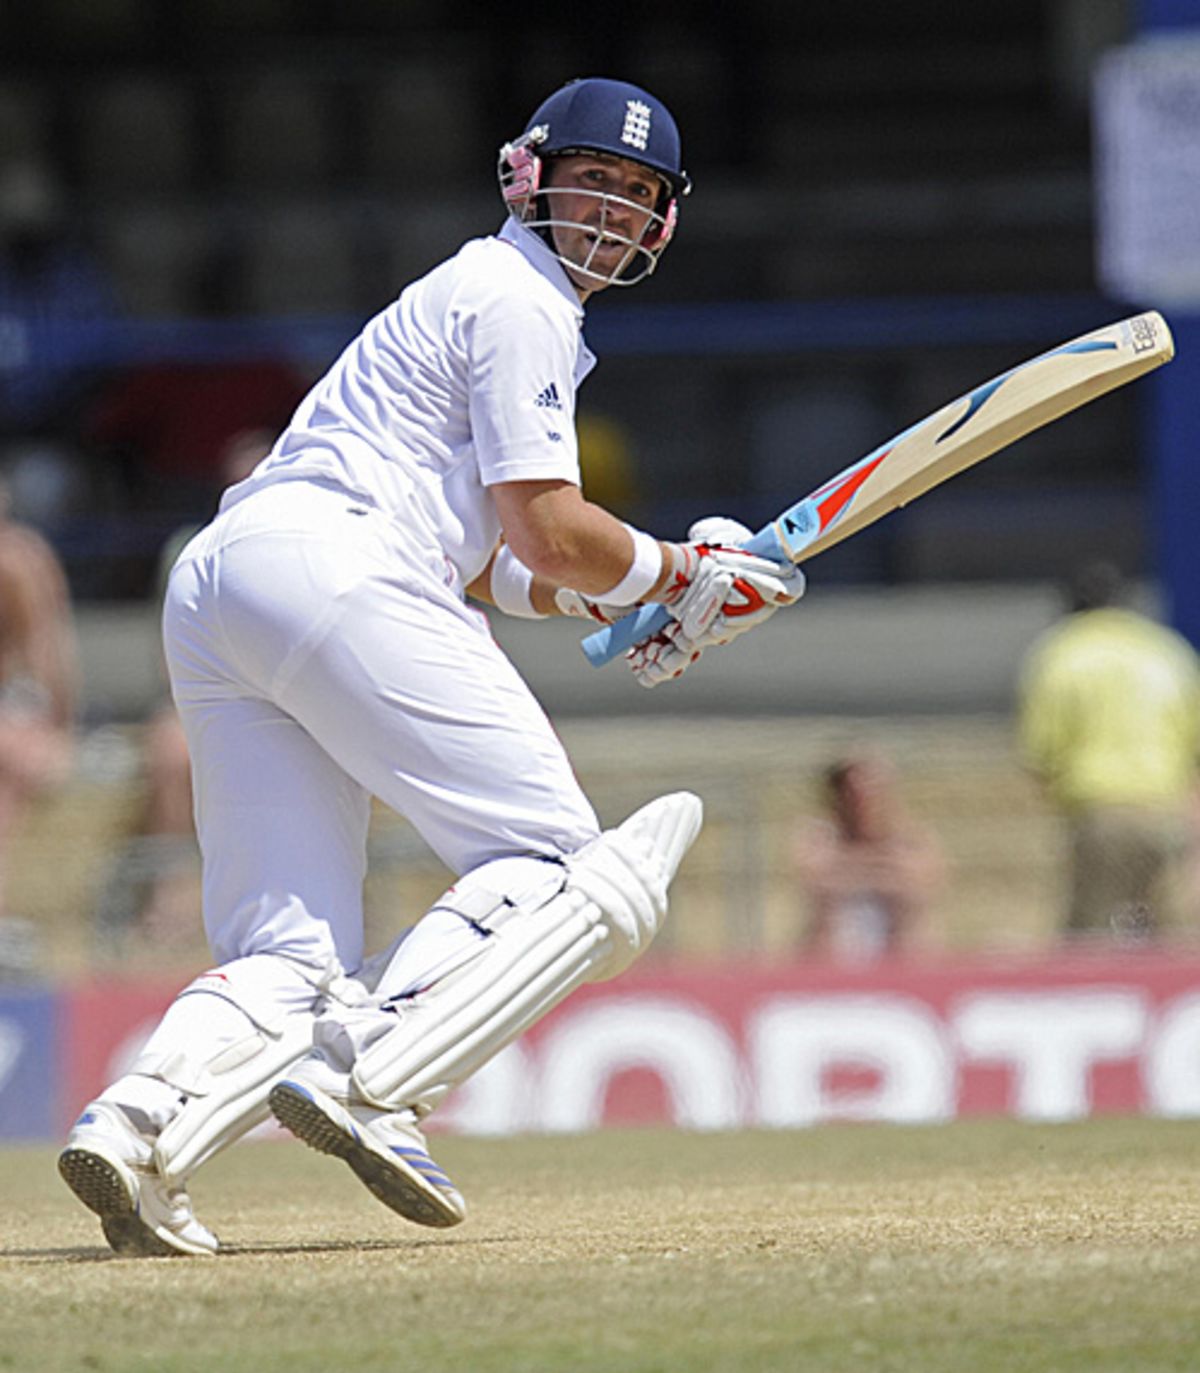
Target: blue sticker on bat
[(982, 394)]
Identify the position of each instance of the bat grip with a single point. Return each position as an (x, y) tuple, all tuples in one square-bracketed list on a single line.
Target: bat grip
[(613, 640)]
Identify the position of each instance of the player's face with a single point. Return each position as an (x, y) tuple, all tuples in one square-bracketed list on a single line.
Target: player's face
[(600, 207)]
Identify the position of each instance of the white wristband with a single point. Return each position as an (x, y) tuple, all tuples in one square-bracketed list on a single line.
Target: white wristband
[(511, 584), (644, 571)]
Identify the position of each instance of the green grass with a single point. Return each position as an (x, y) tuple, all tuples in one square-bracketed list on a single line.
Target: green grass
[(976, 1246)]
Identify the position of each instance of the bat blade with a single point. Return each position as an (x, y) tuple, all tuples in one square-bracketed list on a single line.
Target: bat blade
[(952, 439)]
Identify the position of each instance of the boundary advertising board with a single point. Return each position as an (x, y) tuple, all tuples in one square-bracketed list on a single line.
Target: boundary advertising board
[(788, 1046)]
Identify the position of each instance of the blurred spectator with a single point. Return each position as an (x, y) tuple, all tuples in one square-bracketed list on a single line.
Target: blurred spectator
[(52, 293), (38, 696), (153, 891), (869, 870), (1109, 721)]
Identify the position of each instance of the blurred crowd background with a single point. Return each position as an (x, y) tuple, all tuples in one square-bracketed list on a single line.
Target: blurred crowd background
[(200, 202)]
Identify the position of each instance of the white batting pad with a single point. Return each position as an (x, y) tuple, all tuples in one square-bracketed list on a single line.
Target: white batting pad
[(536, 953), (627, 871)]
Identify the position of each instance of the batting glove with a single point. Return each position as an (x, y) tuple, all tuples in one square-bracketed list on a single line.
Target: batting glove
[(663, 656), (718, 591), (713, 530), (746, 591)]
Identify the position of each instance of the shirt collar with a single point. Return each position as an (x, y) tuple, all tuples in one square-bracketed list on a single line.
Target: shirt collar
[(531, 246)]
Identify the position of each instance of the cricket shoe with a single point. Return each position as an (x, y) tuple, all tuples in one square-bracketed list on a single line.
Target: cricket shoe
[(385, 1149), (109, 1165)]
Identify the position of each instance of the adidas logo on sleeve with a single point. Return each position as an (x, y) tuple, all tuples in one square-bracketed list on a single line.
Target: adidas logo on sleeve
[(548, 398)]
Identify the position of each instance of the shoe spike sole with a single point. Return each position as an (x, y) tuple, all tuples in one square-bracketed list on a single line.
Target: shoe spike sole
[(305, 1119), (99, 1186)]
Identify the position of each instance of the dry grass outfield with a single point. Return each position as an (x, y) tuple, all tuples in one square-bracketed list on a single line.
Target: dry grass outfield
[(977, 1246)]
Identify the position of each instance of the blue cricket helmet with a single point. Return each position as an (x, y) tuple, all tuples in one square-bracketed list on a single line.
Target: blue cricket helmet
[(614, 118), (596, 114)]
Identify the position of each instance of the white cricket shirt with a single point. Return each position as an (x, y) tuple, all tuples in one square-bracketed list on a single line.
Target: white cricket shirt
[(467, 379)]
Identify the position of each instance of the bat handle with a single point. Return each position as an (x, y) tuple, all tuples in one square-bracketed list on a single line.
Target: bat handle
[(613, 640)]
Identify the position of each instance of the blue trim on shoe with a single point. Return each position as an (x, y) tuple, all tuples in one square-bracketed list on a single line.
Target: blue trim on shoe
[(424, 1165)]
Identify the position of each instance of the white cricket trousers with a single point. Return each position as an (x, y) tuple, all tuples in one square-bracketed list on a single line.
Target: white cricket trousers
[(317, 660)]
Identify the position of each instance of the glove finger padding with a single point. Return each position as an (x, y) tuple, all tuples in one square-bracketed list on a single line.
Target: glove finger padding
[(748, 599), (754, 597), (663, 656), (714, 580)]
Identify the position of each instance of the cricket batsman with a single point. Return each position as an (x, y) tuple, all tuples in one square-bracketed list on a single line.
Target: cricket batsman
[(324, 651)]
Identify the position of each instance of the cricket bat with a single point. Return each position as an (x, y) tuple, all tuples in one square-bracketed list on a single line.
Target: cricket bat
[(966, 431)]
